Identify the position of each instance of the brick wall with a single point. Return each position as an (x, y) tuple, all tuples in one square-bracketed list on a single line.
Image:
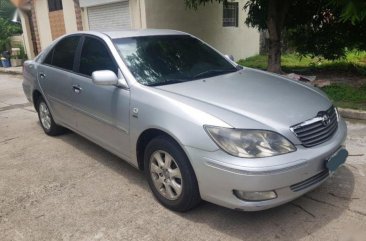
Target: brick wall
[(57, 23), (35, 28), (79, 22)]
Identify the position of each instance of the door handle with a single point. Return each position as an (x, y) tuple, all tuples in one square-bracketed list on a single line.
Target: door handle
[(42, 75), (77, 89)]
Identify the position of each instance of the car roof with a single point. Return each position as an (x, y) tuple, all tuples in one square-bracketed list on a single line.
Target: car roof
[(127, 33), (142, 32)]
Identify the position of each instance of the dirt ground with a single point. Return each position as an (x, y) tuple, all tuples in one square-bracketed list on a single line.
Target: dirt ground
[(67, 188), (328, 78)]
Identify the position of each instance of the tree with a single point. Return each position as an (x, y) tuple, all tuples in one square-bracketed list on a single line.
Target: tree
[(270, 15), (316, 27)]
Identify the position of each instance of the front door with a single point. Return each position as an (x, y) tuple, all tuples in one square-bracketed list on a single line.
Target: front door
[(102, 111)]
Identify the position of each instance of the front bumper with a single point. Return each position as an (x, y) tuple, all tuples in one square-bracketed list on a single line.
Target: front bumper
[(218, 173)]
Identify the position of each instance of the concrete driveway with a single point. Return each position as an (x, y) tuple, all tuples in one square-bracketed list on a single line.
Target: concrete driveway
[(67, 188)]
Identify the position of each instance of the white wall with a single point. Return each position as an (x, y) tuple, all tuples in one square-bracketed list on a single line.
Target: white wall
[(137, 13), (205, 23), (43, 23), (27, 35), (69, 16)]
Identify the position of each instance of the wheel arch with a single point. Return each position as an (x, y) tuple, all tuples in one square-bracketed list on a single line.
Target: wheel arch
[(145, 137), (36, 96)]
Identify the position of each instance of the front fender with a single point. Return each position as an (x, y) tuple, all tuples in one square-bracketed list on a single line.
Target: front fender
[(152, 110)]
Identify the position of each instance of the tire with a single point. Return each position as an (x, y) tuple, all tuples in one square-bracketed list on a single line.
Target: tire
[(170, 177), (45, 118)]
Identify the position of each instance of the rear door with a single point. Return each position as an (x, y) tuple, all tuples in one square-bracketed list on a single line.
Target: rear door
[(54, 76), (102, 112)]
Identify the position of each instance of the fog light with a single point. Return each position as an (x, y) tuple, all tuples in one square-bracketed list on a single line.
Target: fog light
[(255, 196)]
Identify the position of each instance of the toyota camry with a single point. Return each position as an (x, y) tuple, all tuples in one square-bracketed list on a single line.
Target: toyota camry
[(200, 126)]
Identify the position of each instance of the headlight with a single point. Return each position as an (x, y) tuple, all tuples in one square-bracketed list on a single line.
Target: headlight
[(249, 143)]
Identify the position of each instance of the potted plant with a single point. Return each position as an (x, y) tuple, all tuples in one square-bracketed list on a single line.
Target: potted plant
[(15, 58), (22, 55)]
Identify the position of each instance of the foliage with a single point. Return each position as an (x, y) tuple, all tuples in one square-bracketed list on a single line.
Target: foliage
[(22, 54), (319, 31), (352, 10), (6, 9), (7, 28), (347, 96)]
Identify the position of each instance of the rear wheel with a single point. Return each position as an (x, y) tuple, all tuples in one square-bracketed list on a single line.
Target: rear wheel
[(45, 117), (170, 175)]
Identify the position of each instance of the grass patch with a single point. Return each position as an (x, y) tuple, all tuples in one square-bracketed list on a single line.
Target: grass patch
[(354, 62), (346, 96)]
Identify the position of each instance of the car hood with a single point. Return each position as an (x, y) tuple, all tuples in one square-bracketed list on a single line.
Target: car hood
[(267, 98)]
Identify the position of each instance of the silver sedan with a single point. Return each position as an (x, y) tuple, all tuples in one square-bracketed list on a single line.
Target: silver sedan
[(199, 125)]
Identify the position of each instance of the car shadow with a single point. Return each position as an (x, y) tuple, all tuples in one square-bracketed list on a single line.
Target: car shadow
[(104, 157), (292, 221)]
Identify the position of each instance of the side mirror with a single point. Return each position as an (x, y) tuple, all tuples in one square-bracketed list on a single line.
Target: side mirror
[(230, 57), (104, 77)]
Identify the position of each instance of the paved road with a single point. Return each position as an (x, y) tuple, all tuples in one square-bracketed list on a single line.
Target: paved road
[(67, 188)]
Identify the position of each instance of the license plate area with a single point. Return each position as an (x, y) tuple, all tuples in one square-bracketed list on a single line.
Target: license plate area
[(336, 160)]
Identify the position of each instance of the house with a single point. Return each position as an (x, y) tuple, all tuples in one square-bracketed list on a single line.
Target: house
[(220, 25)]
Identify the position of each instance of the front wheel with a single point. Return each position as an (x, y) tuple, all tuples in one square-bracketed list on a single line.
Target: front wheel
[(170, 175)]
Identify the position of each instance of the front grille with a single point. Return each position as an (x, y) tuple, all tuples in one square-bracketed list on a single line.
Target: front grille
[(310, 181), (317, 130)]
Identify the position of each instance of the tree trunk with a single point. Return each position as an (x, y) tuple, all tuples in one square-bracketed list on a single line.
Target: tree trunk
[(277, 11), (274, 56)]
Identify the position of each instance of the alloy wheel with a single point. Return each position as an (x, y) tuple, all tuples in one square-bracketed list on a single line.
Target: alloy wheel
[(45, 116), (166, 175)]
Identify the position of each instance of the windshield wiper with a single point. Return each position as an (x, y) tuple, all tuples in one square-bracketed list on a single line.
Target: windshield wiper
[(168, 82), (213, 72)]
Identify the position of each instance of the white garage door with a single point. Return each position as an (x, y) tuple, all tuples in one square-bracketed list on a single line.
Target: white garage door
[(113, 16)]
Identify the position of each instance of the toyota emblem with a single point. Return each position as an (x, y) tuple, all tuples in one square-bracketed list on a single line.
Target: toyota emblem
[(325, 120)]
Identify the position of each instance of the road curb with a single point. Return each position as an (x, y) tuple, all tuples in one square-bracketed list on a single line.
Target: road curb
[(11, 71), (352, 114)]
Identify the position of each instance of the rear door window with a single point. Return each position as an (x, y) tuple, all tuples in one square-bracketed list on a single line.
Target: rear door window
[(63, 54)]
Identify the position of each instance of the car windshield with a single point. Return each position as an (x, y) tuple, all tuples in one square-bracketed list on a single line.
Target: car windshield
[(160, 60)]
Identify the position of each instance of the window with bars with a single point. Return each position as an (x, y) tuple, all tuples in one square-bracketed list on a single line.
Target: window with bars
[(54, 5), (231, 14)]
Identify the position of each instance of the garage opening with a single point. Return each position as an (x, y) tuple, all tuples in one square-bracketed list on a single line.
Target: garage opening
[(109, 17)]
